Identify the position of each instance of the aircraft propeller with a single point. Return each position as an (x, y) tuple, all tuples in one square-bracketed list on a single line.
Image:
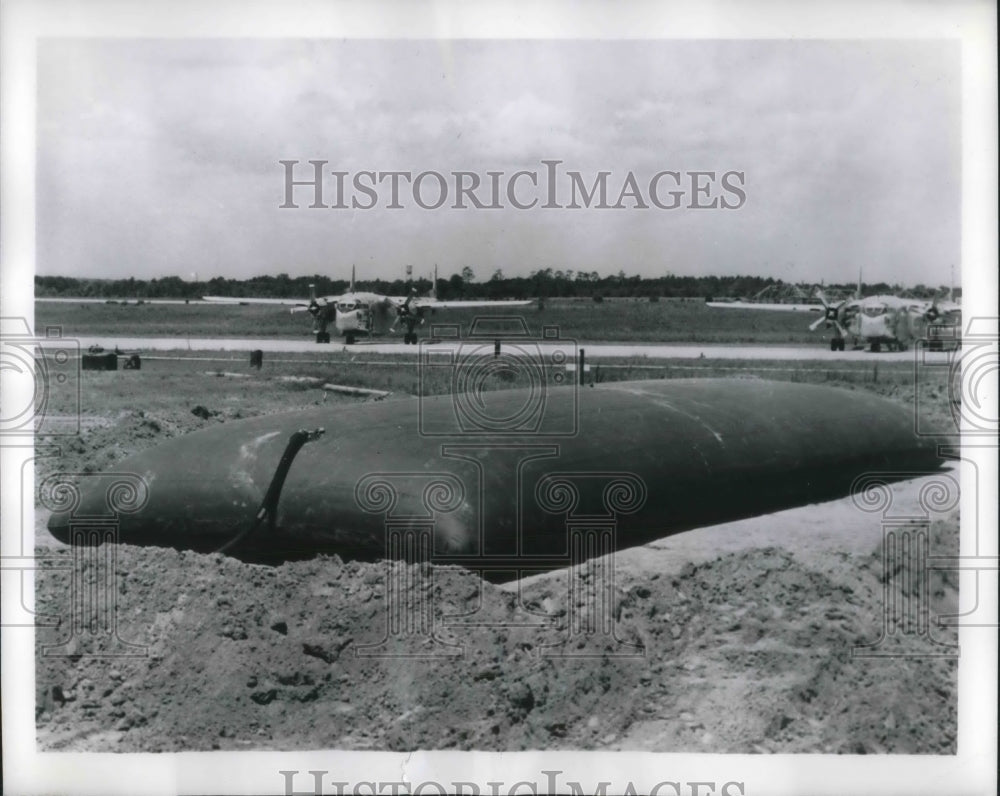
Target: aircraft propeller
[(831, 314), (933, 313), (405, 314), (318, 310)]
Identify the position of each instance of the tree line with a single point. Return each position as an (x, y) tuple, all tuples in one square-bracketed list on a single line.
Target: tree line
[(544, 283)]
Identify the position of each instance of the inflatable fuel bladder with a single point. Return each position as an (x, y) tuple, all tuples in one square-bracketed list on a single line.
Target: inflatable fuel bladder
[(498, 481)]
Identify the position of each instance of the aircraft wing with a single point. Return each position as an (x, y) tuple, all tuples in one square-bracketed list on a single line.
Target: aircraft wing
[(276, 301), (435, 303), (748, 305)]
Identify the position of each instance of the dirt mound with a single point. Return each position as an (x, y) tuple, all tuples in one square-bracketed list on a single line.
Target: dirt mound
[(749, 652), (103, 442)]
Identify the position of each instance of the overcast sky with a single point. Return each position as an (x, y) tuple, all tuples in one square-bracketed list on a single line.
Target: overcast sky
[(160, 158)]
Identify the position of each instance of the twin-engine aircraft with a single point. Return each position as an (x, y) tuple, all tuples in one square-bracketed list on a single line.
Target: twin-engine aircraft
[(886, 320), (360, 313)]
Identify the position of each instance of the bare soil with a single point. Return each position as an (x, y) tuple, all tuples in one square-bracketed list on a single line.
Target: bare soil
[(749, 652)]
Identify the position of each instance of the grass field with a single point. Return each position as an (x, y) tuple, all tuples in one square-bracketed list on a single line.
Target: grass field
[(666, 321)]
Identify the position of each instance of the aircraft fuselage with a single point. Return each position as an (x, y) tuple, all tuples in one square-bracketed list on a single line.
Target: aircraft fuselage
[(884, 320)]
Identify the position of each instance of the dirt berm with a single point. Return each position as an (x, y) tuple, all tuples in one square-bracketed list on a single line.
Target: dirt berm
[(748, 652)]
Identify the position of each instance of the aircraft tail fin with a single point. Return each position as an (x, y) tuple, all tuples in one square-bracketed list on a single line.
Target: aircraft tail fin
[(857, 293), (434, 284), (352, 278)]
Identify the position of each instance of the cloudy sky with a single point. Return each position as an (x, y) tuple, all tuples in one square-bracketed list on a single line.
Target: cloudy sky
[(161, 157)]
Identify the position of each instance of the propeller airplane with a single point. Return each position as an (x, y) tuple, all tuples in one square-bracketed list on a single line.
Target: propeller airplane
[(883, 320), (364, 314), (880, 320)]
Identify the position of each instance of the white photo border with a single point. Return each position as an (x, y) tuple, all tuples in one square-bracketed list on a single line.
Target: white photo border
[(974, 24)]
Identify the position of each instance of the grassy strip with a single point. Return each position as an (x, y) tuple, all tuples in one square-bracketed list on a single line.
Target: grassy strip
[(187, 373)]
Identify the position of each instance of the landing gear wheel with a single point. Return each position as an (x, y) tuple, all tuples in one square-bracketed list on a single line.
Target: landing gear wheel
[(349, 338), (876, 347), (322, 337), (410, 338), (835, 344)]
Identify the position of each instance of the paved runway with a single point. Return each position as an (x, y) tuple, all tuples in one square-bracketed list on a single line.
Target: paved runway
[(593, 350)]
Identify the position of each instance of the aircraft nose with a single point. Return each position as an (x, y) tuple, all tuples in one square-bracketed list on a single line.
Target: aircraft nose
[(874, 327)]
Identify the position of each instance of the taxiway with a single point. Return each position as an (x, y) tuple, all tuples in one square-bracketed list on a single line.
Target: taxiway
[(594, 350)]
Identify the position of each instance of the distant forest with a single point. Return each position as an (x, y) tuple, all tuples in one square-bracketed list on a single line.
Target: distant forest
[(545, 283)]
